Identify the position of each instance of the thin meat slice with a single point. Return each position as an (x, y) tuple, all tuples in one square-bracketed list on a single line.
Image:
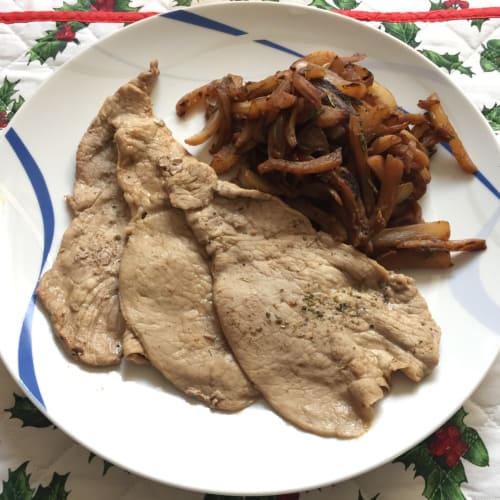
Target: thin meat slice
[(139, 140), (164, 281), (166, 298), (80, 291), (317, 326), (96, 154), (140, 143)]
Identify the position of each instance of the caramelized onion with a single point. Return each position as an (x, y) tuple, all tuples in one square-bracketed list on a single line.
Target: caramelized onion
[(319, 165), (329, 139)]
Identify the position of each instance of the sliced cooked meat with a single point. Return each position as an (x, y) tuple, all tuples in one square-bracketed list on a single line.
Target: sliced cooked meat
[(140, 142), (96, 154), (80, 291), (165, 284), (166, 297), (317, 326)]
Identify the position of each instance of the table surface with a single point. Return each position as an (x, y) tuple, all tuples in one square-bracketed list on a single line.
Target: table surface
[(39, 461)]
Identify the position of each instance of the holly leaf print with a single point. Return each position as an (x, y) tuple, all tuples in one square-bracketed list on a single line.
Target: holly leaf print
[(490, 56), (46, 47), (420, 457), (438, 459), (476, 453), (56, 40), (406, 32), (449, 4), (458, 419), (17, 486), (104, 5), (124, 6), (478, 23), (105, 466), (450, 62), (55, 490), (80, 5), (183, 3), (9, 104), (436, 5), (7, 91), (346, 4), (493, 116), (14, 107), (28, 413), (321, 4), (443, 484), (335, 4), (440, 481)]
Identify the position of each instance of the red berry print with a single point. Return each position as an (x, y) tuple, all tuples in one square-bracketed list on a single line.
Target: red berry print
[(456, 4), (448, 443), (3, 119), (65, 33), (104, 5)]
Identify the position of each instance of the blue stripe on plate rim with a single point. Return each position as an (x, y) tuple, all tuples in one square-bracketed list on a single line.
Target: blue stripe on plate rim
[(25, 352), (189, 17), (26, 367)]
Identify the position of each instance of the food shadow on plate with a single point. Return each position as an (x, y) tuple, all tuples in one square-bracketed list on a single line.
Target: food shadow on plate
[(402, 386), (147, 375), (128, 370), (428, 276)]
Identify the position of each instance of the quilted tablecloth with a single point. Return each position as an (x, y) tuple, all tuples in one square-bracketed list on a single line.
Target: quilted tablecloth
[(459, 460)]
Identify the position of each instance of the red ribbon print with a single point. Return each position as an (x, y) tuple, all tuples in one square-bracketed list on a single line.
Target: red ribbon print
[(130, 17)]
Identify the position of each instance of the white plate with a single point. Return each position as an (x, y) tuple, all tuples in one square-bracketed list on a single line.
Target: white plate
[(130, 416)]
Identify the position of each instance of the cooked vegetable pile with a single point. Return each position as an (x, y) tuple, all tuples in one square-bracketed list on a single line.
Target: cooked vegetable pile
[(333, 143)]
